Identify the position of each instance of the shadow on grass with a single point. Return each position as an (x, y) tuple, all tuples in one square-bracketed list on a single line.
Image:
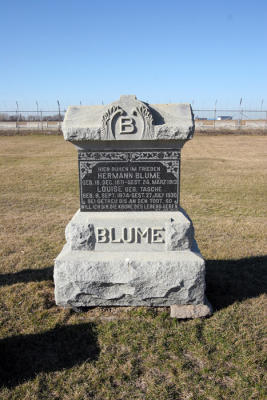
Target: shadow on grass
[(27, 275), (24, 356), (235, 280)]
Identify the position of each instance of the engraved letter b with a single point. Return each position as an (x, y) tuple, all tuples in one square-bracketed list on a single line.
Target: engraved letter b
[(127, 125)]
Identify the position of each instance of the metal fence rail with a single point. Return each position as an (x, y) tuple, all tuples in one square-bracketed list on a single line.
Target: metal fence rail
[(206, 119), (200, 113)]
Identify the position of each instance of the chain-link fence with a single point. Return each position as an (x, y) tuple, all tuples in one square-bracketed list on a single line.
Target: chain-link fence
[(222, 120), (205, 119), (33, 120)]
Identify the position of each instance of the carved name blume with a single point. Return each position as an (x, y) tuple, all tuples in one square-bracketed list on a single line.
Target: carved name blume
[(130, 235)]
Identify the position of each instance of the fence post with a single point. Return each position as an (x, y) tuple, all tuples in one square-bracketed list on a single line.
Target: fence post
[(37, 115), (214, 124), (59, 116), (240, 115), (41, 112), (17, 112)]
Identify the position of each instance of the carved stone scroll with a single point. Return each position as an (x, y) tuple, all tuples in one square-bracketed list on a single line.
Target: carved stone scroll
[(127, 119)]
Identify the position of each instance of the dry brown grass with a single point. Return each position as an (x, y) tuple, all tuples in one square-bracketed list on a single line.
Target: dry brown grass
[(133, 353), (232, 132)]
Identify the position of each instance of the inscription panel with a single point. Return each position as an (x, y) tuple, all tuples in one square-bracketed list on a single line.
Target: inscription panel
[(129, 180)]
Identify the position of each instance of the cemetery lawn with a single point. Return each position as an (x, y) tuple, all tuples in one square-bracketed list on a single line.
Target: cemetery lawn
[(47, 352)]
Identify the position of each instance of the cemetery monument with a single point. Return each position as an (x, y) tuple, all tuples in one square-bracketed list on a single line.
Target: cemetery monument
[(130, 243)]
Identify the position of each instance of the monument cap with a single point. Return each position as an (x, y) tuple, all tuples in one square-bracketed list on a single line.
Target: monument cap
[(129, 119)]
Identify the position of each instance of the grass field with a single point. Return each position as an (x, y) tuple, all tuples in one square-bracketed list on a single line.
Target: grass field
[(134, 353)]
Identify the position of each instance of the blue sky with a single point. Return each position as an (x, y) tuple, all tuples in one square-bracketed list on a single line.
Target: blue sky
[(162, 51)]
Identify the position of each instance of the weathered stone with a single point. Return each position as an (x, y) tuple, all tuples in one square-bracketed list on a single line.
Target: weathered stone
[(146, 255), (131, 278), (179, 233), (81, 236), (182, 311), (115, 121), (135, 231)]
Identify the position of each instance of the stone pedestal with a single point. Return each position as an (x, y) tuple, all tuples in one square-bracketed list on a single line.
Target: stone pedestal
[(130, 244), (137, 260)]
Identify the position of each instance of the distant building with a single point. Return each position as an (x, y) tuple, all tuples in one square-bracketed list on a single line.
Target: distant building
[(224, 117)]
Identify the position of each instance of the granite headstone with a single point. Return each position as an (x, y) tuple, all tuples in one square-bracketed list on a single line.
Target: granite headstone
[(130, 243)]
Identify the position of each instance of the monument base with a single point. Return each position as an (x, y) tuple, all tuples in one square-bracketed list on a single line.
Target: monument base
[(131, 259), (85, 279)]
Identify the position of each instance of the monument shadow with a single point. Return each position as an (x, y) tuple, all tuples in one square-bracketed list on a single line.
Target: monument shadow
[(27, 275), (24, 356), (229, 281)]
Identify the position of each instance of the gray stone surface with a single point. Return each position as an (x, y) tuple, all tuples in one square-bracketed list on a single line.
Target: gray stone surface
[(130, 258), (129, 119), (130, 278), (180, 233), (159, 265), (132, 231), (185, 311)]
